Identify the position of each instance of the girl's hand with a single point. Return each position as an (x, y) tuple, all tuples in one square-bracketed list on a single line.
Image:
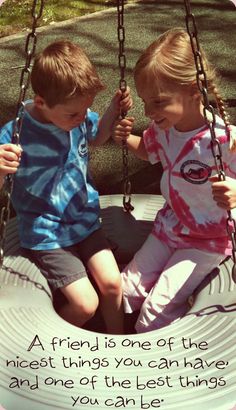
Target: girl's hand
[(122, 129), (10, 155), (224, 192)]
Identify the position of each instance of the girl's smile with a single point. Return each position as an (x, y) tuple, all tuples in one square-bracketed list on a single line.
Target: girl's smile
[(175, 107)]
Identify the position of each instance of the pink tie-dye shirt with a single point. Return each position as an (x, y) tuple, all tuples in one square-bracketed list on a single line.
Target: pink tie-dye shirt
[(190, 217)]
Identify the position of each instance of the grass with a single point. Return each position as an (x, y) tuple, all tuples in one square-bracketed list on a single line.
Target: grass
[(15, 15)]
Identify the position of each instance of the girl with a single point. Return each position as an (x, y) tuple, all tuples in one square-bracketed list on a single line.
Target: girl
[(189, 236)]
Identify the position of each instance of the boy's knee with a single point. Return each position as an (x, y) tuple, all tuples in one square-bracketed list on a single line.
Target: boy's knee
[(112, 287), (86, 307)]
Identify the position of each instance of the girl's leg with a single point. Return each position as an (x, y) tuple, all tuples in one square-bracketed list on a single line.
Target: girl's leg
[(167, 300), (104, 269), (82, 302), (143, 272)]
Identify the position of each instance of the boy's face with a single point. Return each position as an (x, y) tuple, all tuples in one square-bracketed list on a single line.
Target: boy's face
[(68, 115)]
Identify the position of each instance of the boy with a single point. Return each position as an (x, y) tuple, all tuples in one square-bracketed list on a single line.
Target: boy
[(54, 198)]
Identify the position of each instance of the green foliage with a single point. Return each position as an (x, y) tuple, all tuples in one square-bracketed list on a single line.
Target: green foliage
[(15, 15)]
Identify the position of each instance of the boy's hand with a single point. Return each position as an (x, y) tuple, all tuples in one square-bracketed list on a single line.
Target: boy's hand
[(10, 155), (224, 192), (122, 129), (122, 102), (126, 101)]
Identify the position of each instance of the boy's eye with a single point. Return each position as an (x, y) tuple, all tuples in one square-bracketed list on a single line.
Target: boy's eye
[(158, 102), (73, 115)]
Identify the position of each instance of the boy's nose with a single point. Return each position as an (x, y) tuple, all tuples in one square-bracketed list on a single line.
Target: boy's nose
[(81, 117)]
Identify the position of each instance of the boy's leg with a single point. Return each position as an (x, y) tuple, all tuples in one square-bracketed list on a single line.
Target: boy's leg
[(104, 269), (167, 301), (82, 302), (65, 272), (97, 256)]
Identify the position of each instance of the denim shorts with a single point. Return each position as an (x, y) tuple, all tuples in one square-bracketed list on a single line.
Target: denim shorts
[(63, 266)]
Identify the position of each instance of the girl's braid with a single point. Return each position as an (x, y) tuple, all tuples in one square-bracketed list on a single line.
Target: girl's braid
[(224, 115), (220, 105)]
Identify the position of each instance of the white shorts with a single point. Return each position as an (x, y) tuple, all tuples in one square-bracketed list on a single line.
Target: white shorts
[(160, 279)]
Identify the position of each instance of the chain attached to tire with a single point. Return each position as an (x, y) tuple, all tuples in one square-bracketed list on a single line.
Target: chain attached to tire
[(123, 86), (30, 47), (210, 119)]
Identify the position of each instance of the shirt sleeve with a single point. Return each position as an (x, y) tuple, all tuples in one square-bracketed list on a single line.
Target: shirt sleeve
[(92, 121), (151, 144), (231, 158), (6, 133)]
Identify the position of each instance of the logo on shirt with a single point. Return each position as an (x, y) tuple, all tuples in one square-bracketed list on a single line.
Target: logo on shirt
[(83, 150), (195, 172)]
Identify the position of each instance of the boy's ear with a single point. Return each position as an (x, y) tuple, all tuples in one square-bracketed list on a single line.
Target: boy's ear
[(39, 101)]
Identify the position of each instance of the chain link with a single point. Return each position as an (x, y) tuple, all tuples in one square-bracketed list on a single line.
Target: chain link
[(210, 119), (26, 278), (30, 47), (123, 86)]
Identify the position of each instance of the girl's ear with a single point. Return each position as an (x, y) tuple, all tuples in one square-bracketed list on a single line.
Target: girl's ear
[(194, 91), (39, 101)]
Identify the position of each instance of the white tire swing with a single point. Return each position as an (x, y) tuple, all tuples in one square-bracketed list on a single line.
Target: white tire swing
[(27, 317), (190, 364)]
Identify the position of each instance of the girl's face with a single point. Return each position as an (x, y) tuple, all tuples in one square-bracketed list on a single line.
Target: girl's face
[(172, 107)]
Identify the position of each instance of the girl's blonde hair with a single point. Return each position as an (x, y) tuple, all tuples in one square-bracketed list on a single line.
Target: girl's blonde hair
[(62, 71), (170, 58)]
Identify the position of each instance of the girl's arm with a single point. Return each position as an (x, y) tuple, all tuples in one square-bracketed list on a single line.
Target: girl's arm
[(120, 102), (122, 131)]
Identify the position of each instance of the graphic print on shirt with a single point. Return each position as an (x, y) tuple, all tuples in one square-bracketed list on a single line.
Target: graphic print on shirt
[(82, 143), (195, 171), (83, 149)]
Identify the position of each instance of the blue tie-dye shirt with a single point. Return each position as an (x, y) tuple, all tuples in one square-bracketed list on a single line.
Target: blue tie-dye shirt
[(53, 195)]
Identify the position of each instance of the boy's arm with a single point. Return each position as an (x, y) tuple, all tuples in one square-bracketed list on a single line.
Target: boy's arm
[(122, 132), (120, 102)]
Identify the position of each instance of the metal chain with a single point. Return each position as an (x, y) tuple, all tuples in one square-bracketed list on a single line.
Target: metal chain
[(26, 278), (210, 119), (30, 47), (123, 86)]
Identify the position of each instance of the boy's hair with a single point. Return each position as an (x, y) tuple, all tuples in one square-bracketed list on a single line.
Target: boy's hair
[(62, 71), (170, 58)]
